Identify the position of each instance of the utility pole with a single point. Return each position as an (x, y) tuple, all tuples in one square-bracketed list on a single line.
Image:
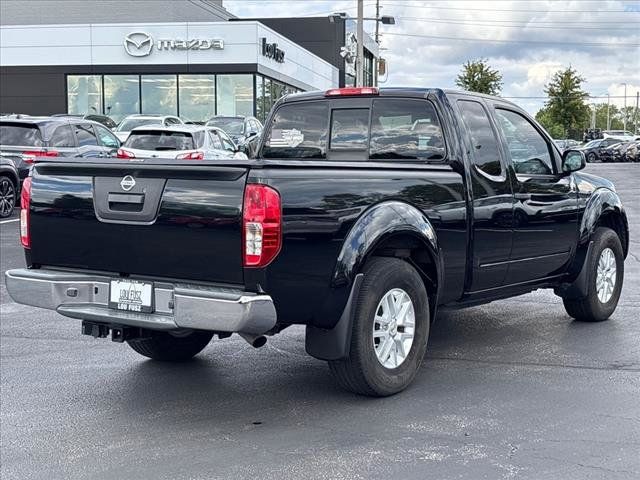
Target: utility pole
[(624, 126), (360, 37), (636, 115), (608, 117), (375, 63)]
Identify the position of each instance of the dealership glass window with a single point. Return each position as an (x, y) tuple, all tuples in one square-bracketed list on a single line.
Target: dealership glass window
[(159, 94), (260, 113), (197, 95), (278, 90), (234, 94), (121, 96), (267, 98), (84, 94)]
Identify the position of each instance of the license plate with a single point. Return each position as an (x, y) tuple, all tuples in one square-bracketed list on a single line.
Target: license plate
[(131, 295)]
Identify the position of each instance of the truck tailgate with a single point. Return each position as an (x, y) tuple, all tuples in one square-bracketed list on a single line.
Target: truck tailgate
[(177, 221)]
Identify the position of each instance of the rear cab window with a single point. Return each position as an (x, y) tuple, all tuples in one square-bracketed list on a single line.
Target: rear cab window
[(369, 128), (20, 134), (164, 140)]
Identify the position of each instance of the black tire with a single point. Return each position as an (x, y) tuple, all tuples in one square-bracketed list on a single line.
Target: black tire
[(166, 347), (8, 196), (591, 158), (590, 308), (361, 372)]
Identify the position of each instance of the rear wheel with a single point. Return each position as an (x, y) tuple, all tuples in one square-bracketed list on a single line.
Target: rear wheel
[(171, 347), (390, 330), (7, 196), (606, 273)]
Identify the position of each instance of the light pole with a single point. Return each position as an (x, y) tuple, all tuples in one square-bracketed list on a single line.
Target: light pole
[(608, 117), (359, 54), (624, 120)]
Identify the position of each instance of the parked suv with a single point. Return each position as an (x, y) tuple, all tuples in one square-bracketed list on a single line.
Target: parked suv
[(185, 142), (105, 120), (366, 212), (132, 121), (26, 139), (245, 131)]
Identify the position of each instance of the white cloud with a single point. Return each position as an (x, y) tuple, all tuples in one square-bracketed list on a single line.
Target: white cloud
[(536, 39)]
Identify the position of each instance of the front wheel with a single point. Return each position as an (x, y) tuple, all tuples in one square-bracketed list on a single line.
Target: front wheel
[(591, 158), (389, 332), (171, 347), (606, 273)]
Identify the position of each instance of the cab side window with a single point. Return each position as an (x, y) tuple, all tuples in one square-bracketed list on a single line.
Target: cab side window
[(485, 153), (530, 152)]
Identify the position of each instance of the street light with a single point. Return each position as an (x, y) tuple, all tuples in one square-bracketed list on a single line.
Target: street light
[(359, 60)]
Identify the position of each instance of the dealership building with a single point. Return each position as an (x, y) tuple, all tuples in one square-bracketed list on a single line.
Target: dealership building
[(192, 59)]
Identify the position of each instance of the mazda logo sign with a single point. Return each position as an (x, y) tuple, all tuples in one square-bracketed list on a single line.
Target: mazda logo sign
[(138, 44), (127, 183)]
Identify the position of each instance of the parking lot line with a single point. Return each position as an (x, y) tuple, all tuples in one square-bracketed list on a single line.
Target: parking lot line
[(9, 221)]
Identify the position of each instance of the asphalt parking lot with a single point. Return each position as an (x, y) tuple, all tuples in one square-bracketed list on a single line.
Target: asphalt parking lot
[(513, 389)]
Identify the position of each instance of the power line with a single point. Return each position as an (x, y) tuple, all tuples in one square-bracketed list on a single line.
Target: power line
[(465, 9), (489, 23), (199, 5), (533, 42)]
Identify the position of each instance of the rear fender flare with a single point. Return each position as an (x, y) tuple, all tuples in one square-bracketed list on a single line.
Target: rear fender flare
[(374, 226)]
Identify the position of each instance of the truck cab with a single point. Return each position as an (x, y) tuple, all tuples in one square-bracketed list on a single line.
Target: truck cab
[(365, 212)]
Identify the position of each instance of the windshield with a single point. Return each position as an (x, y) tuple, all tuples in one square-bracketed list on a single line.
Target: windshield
[(20, 135), (130, 123), (160, 140), (231, 125)]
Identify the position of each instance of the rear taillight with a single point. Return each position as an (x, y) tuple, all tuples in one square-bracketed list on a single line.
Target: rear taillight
[(122, 153), (25, 201), (261, 225), (31, 156), (336, 92), (191, 156)]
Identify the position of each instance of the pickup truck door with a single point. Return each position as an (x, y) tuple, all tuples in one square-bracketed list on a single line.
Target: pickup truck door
[(492, 198), (545, 201)]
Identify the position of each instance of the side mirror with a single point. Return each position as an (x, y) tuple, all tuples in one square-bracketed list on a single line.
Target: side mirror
[(572, 161), (252, 134)]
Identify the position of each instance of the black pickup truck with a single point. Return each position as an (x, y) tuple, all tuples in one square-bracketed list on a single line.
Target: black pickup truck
[(364, 213)]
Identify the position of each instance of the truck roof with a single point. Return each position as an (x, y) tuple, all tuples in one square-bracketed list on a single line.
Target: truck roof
[(418, 92)]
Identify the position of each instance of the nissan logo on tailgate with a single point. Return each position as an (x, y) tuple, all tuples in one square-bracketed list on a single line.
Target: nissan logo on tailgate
[(127, 183), (138, 44)]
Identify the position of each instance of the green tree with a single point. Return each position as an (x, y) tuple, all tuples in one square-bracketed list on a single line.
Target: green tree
[(567, 105), (554, 129), (477, 76)]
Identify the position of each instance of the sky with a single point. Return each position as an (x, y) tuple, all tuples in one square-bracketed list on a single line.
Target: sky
[(527, 41)]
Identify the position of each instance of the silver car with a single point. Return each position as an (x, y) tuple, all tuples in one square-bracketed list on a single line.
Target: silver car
[(182, 142)]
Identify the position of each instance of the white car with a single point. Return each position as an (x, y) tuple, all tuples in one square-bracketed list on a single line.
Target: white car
[(182, 142), (132, 121), (622, 135)]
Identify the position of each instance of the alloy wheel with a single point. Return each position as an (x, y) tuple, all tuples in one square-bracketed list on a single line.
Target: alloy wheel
[(606, 275), (394, 328), (7, 197)]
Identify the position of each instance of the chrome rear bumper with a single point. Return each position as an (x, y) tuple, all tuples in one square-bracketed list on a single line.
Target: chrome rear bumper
[(177, 305)]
